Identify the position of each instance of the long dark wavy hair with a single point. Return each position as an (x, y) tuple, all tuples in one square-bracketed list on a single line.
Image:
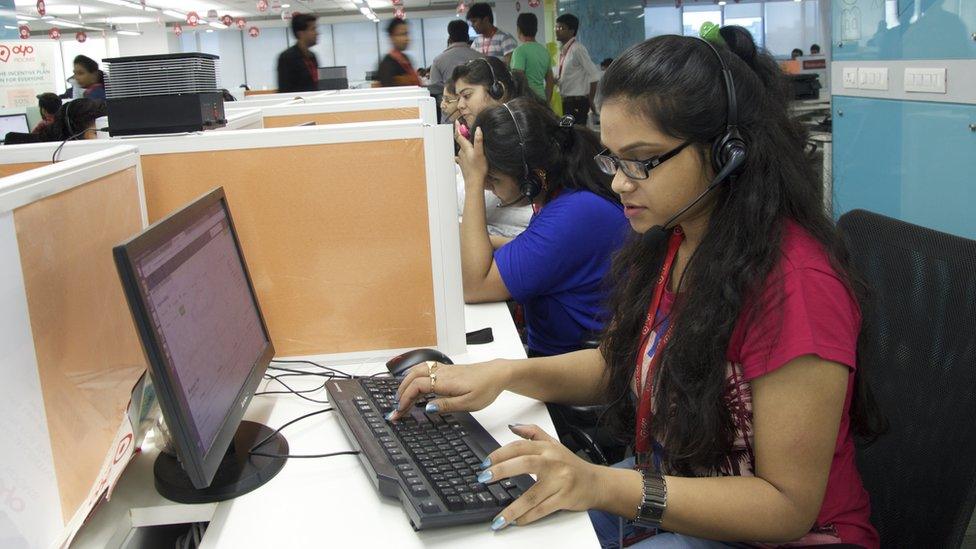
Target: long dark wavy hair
[(676, 82), (565, 153)]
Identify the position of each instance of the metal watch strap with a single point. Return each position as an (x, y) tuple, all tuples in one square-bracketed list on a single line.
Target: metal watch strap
[(655, 500)]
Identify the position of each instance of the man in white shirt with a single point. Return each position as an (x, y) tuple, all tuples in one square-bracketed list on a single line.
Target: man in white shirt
[(575, 72)]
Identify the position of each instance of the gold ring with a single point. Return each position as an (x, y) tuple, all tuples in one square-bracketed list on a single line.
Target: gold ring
[(433, 380), (430, 367)]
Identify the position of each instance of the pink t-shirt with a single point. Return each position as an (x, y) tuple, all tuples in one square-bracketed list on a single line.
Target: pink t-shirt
[(804, 309)]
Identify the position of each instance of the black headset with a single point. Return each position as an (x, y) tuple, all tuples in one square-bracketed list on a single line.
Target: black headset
[(529, 184), (729, 149), (496, 90), (67, 117)]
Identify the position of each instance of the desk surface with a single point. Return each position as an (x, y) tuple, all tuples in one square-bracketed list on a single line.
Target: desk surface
[(317, 502)]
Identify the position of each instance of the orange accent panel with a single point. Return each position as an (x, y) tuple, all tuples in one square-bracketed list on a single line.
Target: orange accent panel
[(13, 169), (88, 352), (336, 237), (321, 118), (248, 93)]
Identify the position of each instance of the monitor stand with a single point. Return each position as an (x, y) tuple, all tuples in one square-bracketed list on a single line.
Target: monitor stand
[(238, 473)]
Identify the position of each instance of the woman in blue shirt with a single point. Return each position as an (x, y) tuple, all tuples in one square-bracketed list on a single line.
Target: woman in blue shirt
[(524, 154)]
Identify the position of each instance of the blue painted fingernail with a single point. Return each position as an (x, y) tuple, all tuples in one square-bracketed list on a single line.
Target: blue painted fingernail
[(498, 523), (389, 416), (486, 463), (432, 408), (485, 476)]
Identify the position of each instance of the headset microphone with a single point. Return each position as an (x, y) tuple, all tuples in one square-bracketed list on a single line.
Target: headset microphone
[(658, 233), (510, 203)]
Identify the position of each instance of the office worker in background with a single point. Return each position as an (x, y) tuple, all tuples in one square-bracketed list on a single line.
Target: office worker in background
[(491, 41), (815, 49), (396, 69), (532, 58), (576, 74), (298, 68), (729, 358), (89, 77), (75, 120), (524, 154), (449, 101), (458, 52), (482, 83), (49, 104)]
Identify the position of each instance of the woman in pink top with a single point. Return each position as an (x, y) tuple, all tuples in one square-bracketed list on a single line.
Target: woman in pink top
[(729, 361)]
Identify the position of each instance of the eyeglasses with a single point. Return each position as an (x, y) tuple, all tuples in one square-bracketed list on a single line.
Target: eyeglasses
[(560, 28), (449, 101), (634, 169)]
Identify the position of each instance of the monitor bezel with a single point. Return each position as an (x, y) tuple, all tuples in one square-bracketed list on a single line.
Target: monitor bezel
[(18, 115), (200, 467)]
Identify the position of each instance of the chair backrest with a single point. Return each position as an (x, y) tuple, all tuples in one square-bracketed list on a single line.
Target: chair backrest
[(918, 353), (19, 138)]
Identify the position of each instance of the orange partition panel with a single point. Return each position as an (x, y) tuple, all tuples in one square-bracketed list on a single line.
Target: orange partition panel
[(335, 236), (12, 169), (248, 93), (321, 118), (88, 352)]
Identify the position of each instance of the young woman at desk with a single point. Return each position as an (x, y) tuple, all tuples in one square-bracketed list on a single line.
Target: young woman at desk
[(479, 84), (729, 359), (525, 155), (89, 77)]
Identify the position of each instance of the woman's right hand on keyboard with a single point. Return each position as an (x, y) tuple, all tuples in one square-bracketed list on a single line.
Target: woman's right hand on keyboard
[(457, 388)]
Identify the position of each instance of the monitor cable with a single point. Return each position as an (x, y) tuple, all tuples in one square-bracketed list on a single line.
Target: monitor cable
[(265, 440)]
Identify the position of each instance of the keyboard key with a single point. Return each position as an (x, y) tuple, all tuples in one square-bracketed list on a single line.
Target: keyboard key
[(420, 491), (500, 495), (507, 484), (454, 503), (470, 501), (486, 499), (430, 507)]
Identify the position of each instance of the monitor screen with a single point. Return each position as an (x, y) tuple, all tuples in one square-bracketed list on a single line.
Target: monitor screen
[(201, 326), (13, 123)]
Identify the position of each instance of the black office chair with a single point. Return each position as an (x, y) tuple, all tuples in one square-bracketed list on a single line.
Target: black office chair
[(918, 352), (581, 429)]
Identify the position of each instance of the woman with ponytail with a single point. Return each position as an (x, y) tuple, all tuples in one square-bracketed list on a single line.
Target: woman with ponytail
[(729, 361), (524, 155)]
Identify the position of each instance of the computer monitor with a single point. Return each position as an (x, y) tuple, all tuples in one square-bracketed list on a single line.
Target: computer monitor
[(207, 346), (13, 123), (333, 78)]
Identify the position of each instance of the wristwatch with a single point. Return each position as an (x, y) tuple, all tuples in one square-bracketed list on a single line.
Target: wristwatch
[(655, 501)]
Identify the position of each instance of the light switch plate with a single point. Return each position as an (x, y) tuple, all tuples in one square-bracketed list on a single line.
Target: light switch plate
[(927, 80), (850, 78), (872, 78)]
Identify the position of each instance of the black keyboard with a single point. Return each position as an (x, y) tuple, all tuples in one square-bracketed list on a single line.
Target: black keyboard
[(430, 462)]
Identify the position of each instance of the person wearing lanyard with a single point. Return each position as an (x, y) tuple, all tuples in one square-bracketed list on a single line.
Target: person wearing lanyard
[(524, 154), (575, 72), (298, 68), (491, 41), (395, 69), (730, 352)]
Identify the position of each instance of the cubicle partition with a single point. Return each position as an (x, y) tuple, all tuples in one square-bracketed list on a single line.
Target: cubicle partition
[(353, 110), (68, 350), (244, 119), (350, 230)]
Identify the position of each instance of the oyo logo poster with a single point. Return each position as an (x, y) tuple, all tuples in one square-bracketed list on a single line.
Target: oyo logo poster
[(26, 69)]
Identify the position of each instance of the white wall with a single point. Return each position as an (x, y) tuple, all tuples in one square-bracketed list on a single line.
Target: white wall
[(261, 57), (153, 41)]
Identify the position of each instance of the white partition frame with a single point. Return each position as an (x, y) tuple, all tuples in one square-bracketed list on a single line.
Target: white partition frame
[(379, 93), (28, 474), (247, 119), (284, 96), (441, 193), (398, 89), (426, 105)]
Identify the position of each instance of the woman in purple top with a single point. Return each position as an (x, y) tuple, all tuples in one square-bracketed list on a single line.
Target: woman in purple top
[(525, 155)]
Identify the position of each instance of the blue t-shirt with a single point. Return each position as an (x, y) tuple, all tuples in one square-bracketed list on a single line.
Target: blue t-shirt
[(555, 269)]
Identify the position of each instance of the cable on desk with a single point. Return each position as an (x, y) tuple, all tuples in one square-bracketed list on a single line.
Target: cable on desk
[(317, 365), (300, 456), (291, 390)]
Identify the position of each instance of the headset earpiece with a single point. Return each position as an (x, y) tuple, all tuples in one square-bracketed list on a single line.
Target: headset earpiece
[(529, 184), (730, 146), (496, 90)]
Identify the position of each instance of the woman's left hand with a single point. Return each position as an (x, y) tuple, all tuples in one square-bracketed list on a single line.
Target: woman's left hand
[(471, 158), (563, 479)]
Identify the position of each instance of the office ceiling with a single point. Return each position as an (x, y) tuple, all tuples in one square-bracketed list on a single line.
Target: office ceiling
[(102, 13)]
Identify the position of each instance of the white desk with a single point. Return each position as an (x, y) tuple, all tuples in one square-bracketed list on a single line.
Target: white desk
[(330, 502)]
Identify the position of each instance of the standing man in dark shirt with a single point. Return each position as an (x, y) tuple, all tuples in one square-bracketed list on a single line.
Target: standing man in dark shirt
[(395, 69), (298, 69)]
